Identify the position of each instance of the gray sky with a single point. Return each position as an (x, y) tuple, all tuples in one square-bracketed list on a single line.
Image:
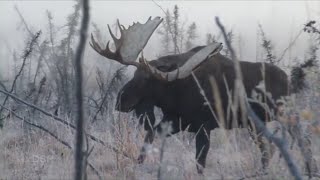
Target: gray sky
[(281, 20)]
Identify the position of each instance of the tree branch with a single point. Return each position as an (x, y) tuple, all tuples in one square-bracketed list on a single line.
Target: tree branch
[(25, 56)]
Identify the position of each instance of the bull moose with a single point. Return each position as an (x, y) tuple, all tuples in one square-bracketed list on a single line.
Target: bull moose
[(172, 84)]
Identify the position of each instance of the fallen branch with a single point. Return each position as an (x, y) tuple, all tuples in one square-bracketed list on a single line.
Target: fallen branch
[(50, 133), (37, 108), (66, 123)]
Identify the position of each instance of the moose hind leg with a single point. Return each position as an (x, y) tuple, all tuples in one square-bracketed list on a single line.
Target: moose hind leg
[(202, 148), (264, 145), (266, 152)]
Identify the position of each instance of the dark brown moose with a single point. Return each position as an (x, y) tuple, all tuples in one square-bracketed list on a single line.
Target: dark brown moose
[(169, 83)]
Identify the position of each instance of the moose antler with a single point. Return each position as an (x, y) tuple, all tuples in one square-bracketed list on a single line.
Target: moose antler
[(192, 63), (131, 42)]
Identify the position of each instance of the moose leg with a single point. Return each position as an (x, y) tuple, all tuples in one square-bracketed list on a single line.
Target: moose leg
[(151, 134), (264, 146), (202, 148), (266, 152), (145, 113), (148, 140), (263, 143)]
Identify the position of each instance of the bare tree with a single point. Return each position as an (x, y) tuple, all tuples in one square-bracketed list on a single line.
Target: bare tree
[(176, 32), (191, 35), (210, 38), (173, 32), (79, 156), (165, 32), (268, 48)]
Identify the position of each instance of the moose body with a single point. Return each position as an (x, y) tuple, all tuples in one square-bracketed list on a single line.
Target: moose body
[(181, 101)]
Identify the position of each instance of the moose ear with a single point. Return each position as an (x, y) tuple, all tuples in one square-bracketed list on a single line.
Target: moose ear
[(167, 67)]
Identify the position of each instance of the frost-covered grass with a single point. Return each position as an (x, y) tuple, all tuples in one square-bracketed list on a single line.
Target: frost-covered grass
[(27, 153)]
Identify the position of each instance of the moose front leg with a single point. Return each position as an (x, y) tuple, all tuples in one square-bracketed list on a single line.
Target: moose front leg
[(148, 140), (145, 113), (202, 148), (159, 130)]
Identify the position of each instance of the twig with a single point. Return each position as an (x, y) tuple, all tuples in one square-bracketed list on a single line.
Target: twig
[(289, 46), (165, 132), (23, 21), (163, 144), (204, 96)]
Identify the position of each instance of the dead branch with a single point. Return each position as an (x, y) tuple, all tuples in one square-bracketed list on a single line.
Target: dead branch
[(66, 123), (25, 56), (50, 133)]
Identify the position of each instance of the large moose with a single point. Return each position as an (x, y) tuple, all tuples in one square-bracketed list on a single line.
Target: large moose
[(172, 84)]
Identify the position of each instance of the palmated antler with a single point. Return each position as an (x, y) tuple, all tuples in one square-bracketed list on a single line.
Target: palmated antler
[(192, 63), (131, 42)]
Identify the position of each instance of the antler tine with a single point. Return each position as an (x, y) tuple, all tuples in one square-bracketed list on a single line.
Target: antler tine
[(111, 54), (103, 52), (95, 45), (121, 27), (115, 39)]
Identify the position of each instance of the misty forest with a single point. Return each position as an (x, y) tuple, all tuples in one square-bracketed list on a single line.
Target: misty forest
[(159, 90)]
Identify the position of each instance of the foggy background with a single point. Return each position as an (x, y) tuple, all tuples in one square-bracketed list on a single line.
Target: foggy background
[(281, 21)]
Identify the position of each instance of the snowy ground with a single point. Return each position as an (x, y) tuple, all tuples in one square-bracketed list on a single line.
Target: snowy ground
[(31, 154)]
